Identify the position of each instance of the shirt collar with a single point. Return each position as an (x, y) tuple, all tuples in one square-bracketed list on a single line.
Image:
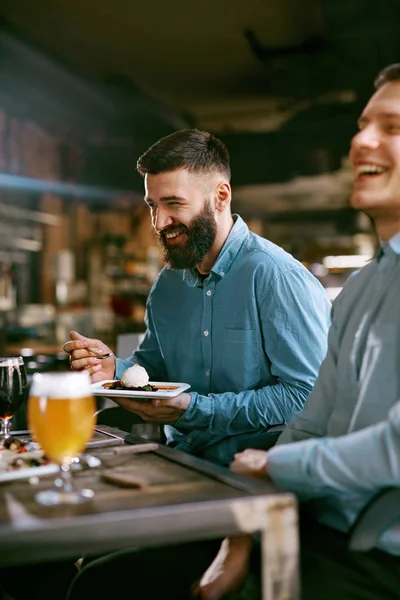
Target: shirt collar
[(225, 258), (394, 243), (390, 247)]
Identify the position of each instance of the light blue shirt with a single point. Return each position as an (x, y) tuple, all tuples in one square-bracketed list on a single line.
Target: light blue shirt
[(348, 436), (249, 339)]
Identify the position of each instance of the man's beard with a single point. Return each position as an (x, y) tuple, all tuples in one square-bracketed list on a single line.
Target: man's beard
[(201, 235)]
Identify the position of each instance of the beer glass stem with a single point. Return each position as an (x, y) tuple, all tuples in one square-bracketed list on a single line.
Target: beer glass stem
[(65, 492), (66, 478), (5, 429)]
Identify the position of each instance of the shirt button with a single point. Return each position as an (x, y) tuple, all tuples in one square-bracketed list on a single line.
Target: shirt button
[(206, 332), (221, 273), (207, 373), (208, 292), (189, 440)]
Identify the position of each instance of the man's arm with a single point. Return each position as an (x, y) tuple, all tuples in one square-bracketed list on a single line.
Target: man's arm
[(313, 419), (359, 462), (294, 320)]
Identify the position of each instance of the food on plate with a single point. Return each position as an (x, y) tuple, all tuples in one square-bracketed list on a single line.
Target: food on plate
[(134, 378), (18, 454), (15, 444), (116, 385)]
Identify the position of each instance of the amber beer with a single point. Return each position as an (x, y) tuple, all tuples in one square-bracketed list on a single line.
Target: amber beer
[(61, 413)]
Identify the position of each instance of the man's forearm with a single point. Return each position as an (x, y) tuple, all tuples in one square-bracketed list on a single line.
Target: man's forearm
[(231, 414), (358, 462)]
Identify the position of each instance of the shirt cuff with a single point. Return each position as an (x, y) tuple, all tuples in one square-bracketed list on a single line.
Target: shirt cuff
[(120, 366), (287, 467), (197, 415)]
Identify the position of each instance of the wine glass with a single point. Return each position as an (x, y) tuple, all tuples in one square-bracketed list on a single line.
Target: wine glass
[(13, 391), (61, 416)]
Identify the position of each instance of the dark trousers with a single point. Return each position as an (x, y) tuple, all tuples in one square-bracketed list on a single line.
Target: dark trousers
[(163, 573), (329, 571), (45, 581)]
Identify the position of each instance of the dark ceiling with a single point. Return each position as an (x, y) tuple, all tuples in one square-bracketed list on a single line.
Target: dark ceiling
[(280, 81)]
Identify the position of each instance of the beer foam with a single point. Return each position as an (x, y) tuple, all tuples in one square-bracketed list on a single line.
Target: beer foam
[(75, 384)]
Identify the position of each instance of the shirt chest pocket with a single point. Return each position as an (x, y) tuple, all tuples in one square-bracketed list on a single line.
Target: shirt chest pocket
[(240, 359)]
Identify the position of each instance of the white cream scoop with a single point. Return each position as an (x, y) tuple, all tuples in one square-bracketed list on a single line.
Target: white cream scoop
[(134, 377)]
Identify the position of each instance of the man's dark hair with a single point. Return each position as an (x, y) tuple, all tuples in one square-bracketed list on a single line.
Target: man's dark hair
[(191, 149), (390, 73)]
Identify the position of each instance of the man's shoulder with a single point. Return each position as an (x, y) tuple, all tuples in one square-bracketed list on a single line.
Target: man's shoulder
[(358, 279), (267, 253), (354, 286)]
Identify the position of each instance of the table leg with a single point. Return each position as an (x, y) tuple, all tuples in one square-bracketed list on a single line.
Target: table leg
[(280, 552)]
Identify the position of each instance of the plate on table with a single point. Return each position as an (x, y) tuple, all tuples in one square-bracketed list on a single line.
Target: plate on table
[(28, 472), (164, 389), (83, 461), (23, 462), (25, 458)]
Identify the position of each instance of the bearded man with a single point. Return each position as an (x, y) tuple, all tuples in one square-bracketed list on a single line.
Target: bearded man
[(231, 313)]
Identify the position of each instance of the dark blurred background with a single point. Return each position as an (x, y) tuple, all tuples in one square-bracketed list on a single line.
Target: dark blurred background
[(86, 87)]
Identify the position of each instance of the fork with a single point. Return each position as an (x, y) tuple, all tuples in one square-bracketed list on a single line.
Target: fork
[(101, 356)]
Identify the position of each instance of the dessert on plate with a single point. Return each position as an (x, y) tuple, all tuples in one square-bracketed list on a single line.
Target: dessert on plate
[(133, 378)]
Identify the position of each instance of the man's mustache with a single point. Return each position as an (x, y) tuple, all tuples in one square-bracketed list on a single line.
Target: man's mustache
[(163, 232)]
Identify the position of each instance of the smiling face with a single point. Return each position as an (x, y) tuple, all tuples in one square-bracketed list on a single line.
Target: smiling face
[(375, 156), (183, 215)]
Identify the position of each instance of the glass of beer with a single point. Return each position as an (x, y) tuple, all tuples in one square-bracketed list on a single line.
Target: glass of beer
[(61, 416), (13, 391)]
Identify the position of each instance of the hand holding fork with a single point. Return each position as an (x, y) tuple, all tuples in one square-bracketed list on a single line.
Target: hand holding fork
[(90, 354)]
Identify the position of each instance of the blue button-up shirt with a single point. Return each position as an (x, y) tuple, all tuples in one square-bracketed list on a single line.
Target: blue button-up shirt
[(348, 436), (249, 339)]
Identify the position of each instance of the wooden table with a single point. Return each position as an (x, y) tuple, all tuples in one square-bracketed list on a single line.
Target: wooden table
[(33, 346), (185, 499)]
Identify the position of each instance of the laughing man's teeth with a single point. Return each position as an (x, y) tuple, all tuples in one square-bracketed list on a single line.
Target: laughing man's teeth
[(173, 234), (369, 170)]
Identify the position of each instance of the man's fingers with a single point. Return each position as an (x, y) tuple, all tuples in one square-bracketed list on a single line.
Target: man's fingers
[(71, 346), (143, 409), (74, 335), (92, 369), (127, 405), (78, 341), (84, 362)]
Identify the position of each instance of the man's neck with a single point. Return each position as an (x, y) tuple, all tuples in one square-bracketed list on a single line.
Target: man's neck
[(387, 228), (209, 259)]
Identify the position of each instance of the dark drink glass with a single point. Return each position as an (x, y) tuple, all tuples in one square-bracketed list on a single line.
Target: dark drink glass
[(13, 391)]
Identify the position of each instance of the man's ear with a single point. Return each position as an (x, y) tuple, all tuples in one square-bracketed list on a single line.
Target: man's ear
[(223, 195)]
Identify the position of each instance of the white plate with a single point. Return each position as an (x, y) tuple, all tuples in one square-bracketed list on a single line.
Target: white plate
[(86, 461), (29, 472), (89, 462), (167, 389)]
